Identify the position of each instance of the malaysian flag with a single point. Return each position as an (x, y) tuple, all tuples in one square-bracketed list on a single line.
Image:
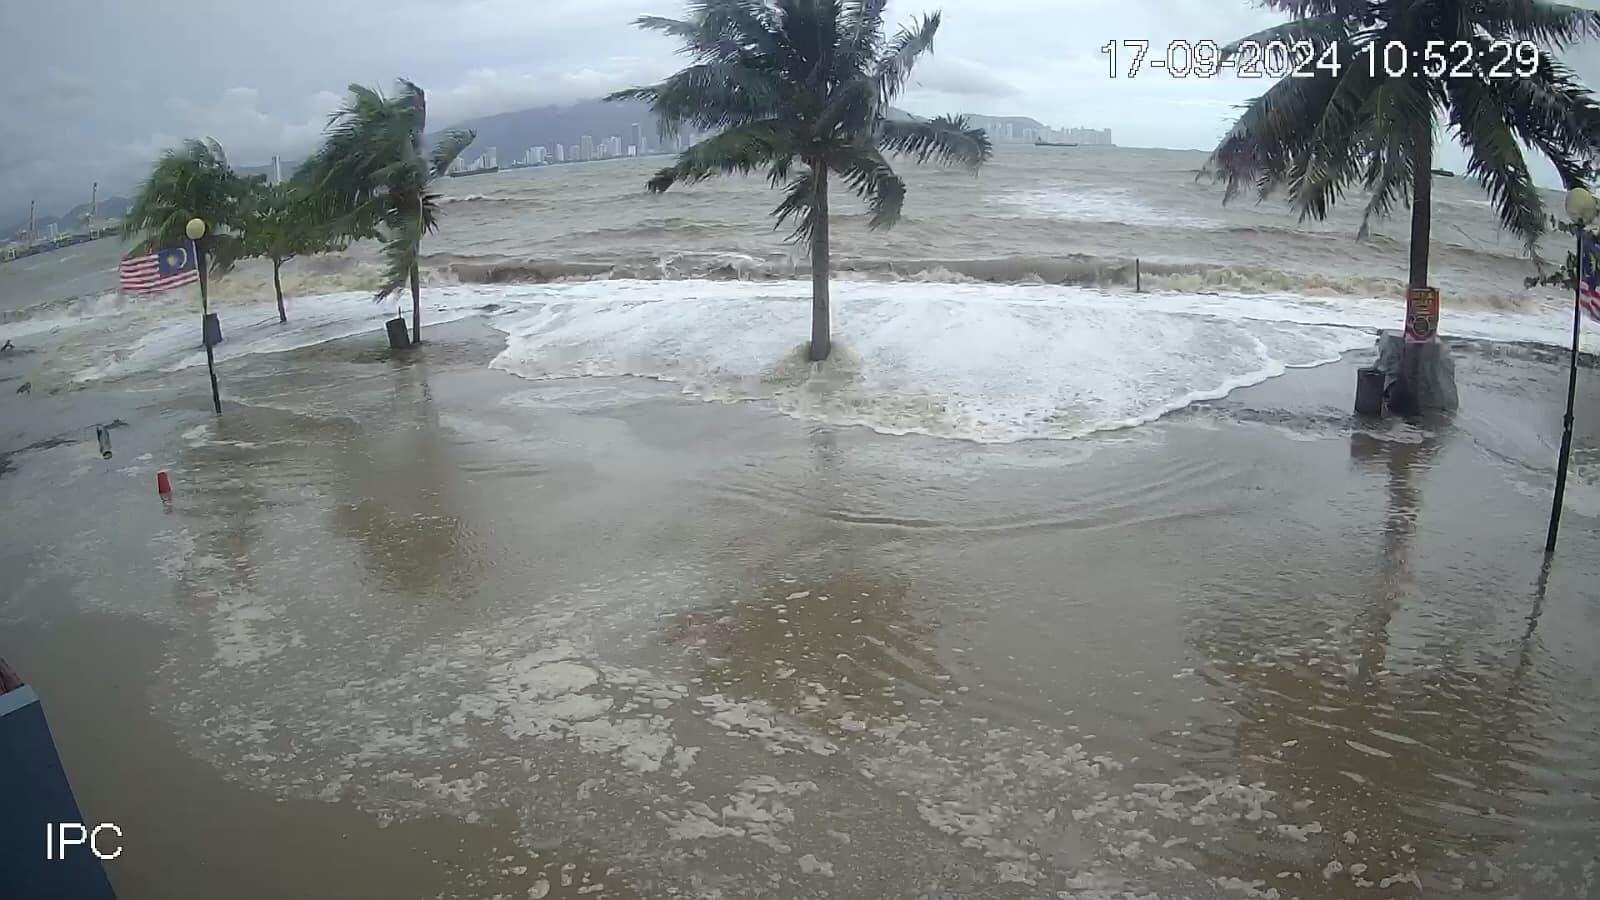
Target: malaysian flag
[(1589, 278), (160, 271)]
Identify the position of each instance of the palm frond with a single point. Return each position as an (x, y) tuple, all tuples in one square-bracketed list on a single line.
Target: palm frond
[(1552, 112), (1495, 158), (862, 26), (1392, 160), (806, 82), (1271, 133), (740, 150), (1333, 155), (451, 146), (1329, 28), (870, 176), (850, 107), (901, 55), (678, 28), (189, 181), (945, 139), (1554, 25), (1353, 10), (710, 95), (402, 247), (799, 202)]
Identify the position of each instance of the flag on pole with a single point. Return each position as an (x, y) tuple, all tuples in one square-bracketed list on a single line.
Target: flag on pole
[(1589, 277), (159, 271)]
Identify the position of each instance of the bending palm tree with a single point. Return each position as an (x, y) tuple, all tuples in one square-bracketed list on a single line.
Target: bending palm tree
[(807, 82), (1319, 134), (188, 182), (370, 178)]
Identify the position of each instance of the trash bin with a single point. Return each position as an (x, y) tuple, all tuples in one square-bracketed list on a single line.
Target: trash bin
[(1369, 391)]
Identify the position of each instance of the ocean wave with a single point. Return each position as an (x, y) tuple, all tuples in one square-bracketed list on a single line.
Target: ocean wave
[(517, 199), (1069, 269)]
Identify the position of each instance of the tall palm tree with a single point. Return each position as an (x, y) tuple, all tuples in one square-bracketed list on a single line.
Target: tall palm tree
[(278, 224), (807, 82), (371, 178), (190, 181), (1318, 135)]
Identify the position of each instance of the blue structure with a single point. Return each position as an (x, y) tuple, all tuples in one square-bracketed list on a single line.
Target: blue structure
[(34, 797)]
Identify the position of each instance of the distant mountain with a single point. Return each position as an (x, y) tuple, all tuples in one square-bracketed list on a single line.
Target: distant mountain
[(109, 208), (512, 133)]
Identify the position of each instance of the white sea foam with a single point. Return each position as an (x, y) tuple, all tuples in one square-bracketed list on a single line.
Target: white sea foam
[(990, 363), (1080, 202), (253, 328), (976, 361)]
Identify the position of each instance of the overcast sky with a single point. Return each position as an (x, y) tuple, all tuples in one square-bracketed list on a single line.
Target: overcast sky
[(94, 89)]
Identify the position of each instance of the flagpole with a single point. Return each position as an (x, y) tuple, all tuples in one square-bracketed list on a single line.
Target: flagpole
[(1581, 206)]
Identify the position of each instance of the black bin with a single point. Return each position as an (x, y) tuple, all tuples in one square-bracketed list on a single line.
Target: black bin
[(1369, 392)]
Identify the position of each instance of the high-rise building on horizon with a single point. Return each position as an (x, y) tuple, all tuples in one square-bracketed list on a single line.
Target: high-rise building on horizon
[(638, 140), (616, 145), (586, 147), (561, 153)]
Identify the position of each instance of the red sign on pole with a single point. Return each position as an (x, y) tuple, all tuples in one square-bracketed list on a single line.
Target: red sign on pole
[(1422, 314)]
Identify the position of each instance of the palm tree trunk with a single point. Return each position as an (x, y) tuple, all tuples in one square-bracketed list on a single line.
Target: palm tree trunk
[(277, 286), (1406, 401), (1421, 209), (416, 307), (821, 339)]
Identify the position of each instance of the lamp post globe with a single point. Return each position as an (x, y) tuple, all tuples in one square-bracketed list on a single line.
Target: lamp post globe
[(196, 229), (1582, 207)]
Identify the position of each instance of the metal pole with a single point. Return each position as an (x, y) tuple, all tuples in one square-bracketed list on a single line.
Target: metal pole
[(205, 308), (1572, 392)]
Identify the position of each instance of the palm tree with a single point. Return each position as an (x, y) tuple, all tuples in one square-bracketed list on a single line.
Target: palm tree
[(370, 178), (278, 225), (807, 82), (1357, 123), (187, 182)]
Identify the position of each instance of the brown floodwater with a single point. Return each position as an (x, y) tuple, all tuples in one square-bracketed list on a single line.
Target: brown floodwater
[(411, 627)]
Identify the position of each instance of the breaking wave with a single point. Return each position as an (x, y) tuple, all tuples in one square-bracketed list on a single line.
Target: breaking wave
[(947, 360)]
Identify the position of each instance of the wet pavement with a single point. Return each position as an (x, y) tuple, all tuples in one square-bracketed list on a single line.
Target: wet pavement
[(412, 627)]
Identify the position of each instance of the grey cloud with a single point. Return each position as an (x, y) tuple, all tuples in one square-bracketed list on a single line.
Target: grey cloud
[(962, 77), (96, 87)]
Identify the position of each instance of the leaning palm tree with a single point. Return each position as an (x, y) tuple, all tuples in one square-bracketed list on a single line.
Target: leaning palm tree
[(1487, 67), (187, 182), (371, 178), (801, 88)]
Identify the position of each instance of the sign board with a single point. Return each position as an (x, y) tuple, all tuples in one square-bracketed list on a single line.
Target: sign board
[(1422, 314)]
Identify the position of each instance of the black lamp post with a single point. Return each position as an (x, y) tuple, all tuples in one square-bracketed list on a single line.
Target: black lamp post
[(1583, 209), (210, 325)]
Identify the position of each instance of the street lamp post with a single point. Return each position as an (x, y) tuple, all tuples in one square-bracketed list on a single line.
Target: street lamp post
[(1583, 209), (210, 327)]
